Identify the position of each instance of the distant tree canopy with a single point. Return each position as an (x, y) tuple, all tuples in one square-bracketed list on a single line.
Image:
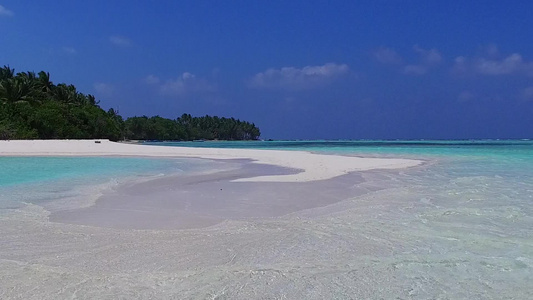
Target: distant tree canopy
[(187, 127), (32, 107)]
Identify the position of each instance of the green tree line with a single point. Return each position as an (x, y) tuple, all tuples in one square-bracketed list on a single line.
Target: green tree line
[(33, 107), (187, 127)]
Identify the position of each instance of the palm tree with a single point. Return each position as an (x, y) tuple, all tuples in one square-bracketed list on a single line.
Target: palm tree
[(66, 93), (92, 100), (6, 73), (44, 83), (29, 76), (16, 90)]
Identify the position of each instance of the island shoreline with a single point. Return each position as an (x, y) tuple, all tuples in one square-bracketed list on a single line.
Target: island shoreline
[(313, 166), (262, 184)]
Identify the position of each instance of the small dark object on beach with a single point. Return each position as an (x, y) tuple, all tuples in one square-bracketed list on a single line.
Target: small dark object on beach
[(97, 142)]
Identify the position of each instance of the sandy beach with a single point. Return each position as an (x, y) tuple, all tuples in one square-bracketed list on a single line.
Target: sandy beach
[(310, 166), (269, 225), (186, 236), (245, 184)]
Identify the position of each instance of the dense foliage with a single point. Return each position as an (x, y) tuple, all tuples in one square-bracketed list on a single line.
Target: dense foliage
[(32, 107), (187, 127)]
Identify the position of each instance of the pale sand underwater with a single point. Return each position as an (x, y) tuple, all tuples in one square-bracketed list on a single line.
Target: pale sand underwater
[(377, 234)]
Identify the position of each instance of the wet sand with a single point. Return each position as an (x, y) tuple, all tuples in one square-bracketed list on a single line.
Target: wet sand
[(201, 200)]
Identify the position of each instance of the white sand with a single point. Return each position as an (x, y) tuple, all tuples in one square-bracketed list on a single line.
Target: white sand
[(419, 234), (312, 166)]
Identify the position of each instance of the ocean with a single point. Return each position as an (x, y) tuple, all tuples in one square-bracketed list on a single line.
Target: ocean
[(458, 227)]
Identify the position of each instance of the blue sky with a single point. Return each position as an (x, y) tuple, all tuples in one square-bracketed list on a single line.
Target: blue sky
[(298, 69)]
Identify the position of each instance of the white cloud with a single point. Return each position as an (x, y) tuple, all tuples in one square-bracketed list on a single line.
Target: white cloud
[(290, 100), (415, 70), (493, 66), (69, 50), (460, 65), (151, 79), (120, 41), (429, 57), (387, 56), (508, 65), (5, 12), (492, 50), (294, 78), (427, 60), (186, 83), (527, 93), (215, 72), (465, 96), (103, 89)]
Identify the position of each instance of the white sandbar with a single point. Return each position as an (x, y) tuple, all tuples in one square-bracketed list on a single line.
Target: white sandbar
[(313, 166)]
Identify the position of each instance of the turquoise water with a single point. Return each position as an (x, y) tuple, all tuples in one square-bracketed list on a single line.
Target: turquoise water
[(500, 172), (509, 159), (40, 180), (486, 155), (479, 185), (458, 227), (385, 147), (21, 170)]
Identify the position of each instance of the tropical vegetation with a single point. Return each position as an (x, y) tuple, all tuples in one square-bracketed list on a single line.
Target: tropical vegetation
[(33, 107)]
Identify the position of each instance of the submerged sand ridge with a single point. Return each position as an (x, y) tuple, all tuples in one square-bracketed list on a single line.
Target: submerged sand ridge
[(265, 184), (202, 200), (312, 166)]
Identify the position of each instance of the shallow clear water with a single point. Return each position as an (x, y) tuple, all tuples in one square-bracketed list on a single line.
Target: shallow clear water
[(21, 170), (512, 158), (39, 180), (503, 150), (459, 227)]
